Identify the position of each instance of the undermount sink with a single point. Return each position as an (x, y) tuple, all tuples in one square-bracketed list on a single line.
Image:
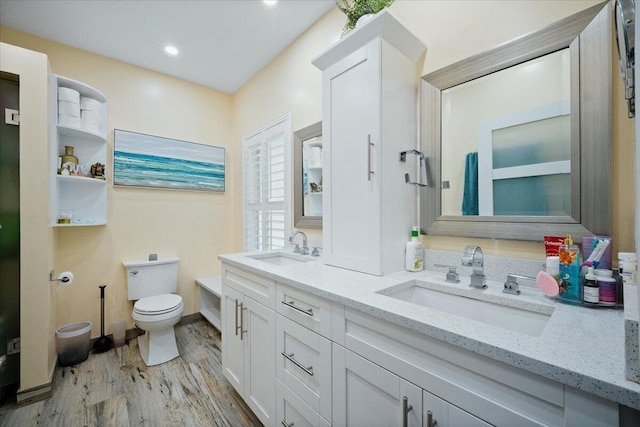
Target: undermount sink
[(281, 258), (500, 314)]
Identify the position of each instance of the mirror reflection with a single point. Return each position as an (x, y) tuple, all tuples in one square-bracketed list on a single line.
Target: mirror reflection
[(506, 141), (307, 169), (312, 176)]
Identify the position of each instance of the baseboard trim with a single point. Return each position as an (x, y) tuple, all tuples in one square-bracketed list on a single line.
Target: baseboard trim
[(34, 394)]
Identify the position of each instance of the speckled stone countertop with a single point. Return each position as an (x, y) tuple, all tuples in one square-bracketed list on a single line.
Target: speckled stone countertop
[(579, 346)]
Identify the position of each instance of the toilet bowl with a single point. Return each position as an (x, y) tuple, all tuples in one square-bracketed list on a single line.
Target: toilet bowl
[(157, 316), (152, 284)]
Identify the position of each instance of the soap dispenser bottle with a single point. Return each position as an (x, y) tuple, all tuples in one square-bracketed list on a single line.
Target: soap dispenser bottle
[(414, 253), (569, 255)]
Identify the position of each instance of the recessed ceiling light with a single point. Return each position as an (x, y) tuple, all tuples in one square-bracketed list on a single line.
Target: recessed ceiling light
[(171, 50), (270, 2)]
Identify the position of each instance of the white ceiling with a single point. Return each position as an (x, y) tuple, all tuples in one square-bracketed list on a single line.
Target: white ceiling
[(222, 43)]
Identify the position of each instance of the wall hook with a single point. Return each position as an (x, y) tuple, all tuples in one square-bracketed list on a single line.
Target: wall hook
[(423, 168)]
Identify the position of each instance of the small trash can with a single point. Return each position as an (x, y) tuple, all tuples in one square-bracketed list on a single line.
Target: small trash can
[(73, 342)]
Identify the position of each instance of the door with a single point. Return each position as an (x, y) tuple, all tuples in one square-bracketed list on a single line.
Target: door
[(447, 415), (351, 113), (9, 237), (364, 394), (232, 307), (259, 360)]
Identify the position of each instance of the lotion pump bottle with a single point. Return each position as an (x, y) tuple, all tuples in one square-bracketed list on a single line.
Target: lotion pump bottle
[(414, 253), (569, 255)]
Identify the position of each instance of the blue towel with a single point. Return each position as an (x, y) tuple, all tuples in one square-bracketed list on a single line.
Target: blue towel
[(470, 195)]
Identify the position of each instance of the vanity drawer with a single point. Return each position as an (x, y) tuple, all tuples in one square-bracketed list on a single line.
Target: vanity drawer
[(303, 363), (292, 411), (258, 288), (306, 309)]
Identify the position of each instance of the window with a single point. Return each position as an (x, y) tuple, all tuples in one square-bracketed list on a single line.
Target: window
[(266, 186)]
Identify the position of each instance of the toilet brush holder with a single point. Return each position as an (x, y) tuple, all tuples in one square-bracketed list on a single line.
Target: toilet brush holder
[(103, 343)]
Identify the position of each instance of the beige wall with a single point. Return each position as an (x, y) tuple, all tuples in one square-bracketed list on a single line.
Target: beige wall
[(199, 226), (192, 225), (37, 325), (452, 30)]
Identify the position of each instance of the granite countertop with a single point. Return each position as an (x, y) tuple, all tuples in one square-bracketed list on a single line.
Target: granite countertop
[(580, 346)]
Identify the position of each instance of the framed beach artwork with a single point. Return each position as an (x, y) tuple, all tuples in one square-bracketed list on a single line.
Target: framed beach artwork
[(141, 160)]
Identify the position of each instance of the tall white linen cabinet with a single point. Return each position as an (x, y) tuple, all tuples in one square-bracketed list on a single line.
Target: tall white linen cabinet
[(369, 115)]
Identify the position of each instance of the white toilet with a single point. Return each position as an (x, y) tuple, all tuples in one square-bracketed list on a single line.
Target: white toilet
[(157, 309)]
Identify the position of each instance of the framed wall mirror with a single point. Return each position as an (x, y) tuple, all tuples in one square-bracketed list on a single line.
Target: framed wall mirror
[(307, 170), (519, 137)]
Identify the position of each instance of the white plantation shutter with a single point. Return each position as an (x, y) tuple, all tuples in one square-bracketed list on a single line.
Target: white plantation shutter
[(266, 187)]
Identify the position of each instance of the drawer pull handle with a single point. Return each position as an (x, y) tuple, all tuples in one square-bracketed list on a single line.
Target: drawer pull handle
[(307, 311), (284, 424), (308, 370)]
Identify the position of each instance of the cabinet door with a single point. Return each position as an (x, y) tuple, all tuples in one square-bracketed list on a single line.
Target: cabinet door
[(232, 305), (364, 394), (447, 415), (351, 115), (259, 360)]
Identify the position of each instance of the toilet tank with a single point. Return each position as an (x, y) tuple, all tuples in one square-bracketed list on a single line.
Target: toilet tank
[(149, 278)]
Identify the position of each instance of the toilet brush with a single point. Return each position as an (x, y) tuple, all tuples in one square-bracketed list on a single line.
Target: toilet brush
[(103, 343)]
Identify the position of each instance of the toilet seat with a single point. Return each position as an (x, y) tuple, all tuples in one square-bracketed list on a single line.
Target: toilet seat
[(158, 304)]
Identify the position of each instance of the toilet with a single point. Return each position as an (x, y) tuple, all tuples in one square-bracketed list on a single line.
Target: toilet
[(152, 284)]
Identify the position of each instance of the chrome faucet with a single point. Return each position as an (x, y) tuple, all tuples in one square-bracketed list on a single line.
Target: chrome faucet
[(472, 257), (305, 249)]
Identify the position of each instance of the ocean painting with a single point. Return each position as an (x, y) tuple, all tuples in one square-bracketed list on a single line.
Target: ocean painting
[(141, 160)]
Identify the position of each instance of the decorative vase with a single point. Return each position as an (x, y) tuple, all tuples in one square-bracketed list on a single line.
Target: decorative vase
[(68, 156)]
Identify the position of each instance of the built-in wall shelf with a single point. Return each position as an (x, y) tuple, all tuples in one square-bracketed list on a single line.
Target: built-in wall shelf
[(66, 131), (82, 179), (78, 120)]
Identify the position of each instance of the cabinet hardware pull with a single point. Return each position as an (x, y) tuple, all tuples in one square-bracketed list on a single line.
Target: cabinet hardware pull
[(237, 305), (307, 311), (406, 408), (430, 421), (369, 145), (284, 423), (242, 329), (308, 370)]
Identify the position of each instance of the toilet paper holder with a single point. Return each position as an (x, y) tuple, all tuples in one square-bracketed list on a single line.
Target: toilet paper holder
[(64, 278)]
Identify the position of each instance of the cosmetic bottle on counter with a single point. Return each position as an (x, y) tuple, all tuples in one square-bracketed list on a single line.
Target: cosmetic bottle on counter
[(569, 255), (414, 253), (590, 289)]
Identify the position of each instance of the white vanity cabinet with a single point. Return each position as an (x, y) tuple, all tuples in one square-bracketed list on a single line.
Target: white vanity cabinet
[(296, 357), (248, 339), (82, 198), (370, 85)]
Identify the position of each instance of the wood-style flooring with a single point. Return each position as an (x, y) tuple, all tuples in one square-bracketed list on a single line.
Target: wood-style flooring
[(115, 388)]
